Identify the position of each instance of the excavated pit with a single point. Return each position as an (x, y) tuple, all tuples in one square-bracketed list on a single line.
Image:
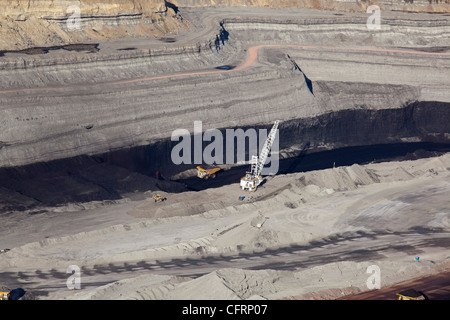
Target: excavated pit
[(338, 119), (420, 129), (349, 116)]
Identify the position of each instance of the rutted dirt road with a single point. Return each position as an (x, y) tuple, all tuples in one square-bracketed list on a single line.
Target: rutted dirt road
[(252, 57)]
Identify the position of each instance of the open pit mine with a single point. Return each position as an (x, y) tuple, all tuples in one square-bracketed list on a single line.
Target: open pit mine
[(224, 149)]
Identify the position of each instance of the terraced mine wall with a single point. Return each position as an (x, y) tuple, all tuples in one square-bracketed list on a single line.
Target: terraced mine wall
[(44, 23), (341, 5), (91, 140), (416, 122), (420, 127), (85, 116)]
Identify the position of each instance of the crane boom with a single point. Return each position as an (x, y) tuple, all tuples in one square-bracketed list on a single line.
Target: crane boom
[(266, 149), (253, 178)]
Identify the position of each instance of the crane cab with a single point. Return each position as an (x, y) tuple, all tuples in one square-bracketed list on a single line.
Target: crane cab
[(250, 182)]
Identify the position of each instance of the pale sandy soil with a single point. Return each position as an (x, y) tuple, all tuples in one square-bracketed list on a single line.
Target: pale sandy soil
[(301, 235), (317, 231)]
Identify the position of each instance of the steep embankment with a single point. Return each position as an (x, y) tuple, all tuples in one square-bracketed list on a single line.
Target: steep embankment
[(339, 5), (35, 23), (332, 82), (45, 23), (92, 108), (300, 222)]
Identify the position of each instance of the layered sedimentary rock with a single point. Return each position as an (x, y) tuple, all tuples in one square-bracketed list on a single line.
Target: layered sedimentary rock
[(58, 9), (101, 102), (44, 23), (332, 82), (341, 5), (48, 23)]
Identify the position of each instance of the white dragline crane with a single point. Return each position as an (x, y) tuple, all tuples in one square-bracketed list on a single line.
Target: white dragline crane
[(253, 179)]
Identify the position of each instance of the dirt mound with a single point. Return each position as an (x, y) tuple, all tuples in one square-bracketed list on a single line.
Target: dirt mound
[(329, 281), (4, 288), (147, 287)]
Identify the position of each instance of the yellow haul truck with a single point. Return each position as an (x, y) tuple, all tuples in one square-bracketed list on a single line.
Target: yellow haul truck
[(159, 198), (410, 294), (206, 172), (4, 295)]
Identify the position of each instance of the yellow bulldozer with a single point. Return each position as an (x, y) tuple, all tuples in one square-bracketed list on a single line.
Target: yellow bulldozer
[(207, 172)]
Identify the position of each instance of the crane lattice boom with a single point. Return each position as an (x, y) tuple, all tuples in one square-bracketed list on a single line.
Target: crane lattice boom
[(253, 179), (256, 169)]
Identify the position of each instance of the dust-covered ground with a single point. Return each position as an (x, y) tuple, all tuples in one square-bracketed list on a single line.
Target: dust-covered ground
[(316, 234), (303, 235)]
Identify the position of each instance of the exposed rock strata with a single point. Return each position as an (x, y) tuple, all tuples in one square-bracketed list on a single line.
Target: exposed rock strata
[(45, 23)]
